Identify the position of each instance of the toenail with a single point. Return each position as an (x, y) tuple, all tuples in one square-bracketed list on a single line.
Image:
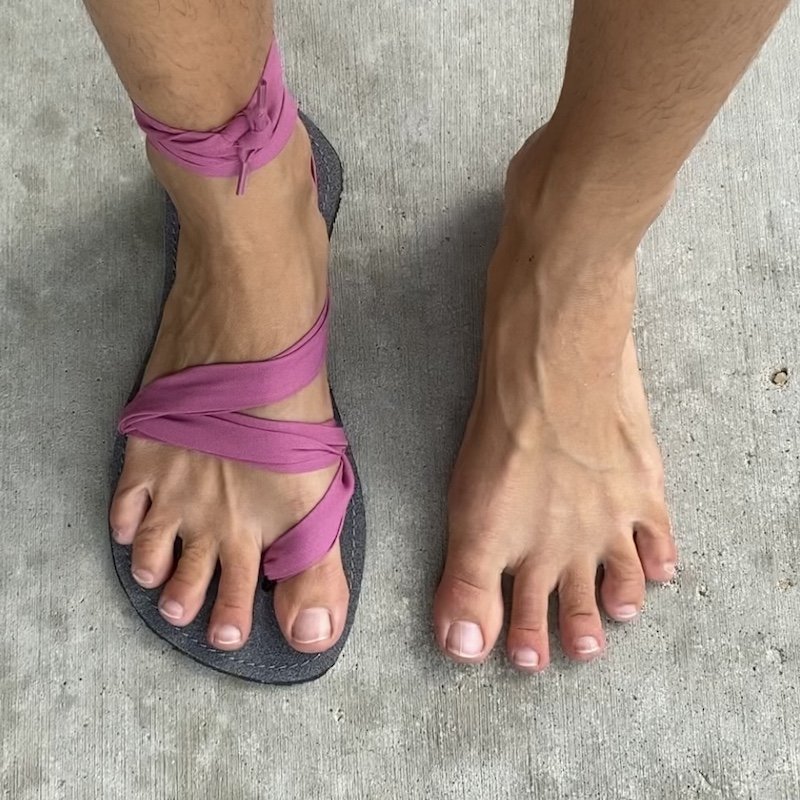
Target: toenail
[(465, 639), (526, 657), (142, 576), (627, 612), (115, 535), (586, 645), (171, 608), (312, 625), (669, 569), (227, 634)]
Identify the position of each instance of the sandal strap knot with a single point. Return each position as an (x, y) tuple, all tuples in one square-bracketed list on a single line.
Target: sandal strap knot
[(249, 140)]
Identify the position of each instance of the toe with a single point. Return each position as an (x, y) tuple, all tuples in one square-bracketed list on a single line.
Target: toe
[(468, 608), (128, 510), (622, 589), (527, 640), (579, 623), (656, 547), (232, 616), (183, 595), (151, 555), (311, 607)]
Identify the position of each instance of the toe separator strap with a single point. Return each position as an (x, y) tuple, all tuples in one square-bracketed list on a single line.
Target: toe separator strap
[(249, 140), (312, 538)]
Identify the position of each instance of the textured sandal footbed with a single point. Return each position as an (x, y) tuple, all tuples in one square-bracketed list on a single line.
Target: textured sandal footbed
[(266, 657)]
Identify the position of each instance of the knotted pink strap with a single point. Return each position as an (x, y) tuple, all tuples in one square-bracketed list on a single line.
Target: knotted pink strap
[(248, 141), (199, 408)]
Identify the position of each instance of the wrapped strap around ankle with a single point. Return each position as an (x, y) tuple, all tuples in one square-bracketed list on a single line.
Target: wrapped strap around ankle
[(252, 138), (201, 408)]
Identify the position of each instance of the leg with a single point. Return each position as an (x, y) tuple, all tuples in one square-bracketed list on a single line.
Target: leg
[(194, 64), (559, 471)]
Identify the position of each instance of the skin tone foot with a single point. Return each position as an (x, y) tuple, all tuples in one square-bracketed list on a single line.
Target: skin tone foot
[(559, 472), (244, 291)]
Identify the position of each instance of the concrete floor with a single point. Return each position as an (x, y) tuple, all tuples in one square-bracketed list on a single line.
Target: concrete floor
[(426, 102)]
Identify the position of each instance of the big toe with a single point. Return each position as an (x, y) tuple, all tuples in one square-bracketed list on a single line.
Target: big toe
[(312, 607), (468, 608)]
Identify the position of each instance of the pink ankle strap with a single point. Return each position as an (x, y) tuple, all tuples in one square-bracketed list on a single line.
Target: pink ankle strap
[(255, 136)]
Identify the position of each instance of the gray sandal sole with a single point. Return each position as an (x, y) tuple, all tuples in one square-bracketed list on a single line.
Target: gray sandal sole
[(266, 657)]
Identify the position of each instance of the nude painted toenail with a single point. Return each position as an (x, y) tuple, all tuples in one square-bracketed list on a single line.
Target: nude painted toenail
[(227, 634), (627, 612), (586, 645), (143, 577), (171, 608), (669, 569), (312, 625), (526, 657), (465, 639)]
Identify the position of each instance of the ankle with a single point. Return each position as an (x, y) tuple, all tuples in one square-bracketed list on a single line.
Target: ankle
[(230, 235), (210, 204), (270, 242), (566, 204), (563, 277)]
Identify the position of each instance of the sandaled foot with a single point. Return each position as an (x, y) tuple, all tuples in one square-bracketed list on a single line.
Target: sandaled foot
[(251, 280), (559, 471)]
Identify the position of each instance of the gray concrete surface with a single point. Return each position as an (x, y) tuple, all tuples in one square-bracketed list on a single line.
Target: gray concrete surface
[(426, 101)]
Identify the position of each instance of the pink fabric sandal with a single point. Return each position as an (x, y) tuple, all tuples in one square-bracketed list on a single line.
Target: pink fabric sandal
[(200, 408)]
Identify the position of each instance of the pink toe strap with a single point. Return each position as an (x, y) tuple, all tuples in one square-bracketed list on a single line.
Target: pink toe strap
[(200, 408), (308, 541)]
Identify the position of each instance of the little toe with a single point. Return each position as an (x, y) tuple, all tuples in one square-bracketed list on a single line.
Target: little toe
[(468, 607), (183, 595), (153, 544), (128, 510), (581, 630), (232, 616), (311, 607), (656, 547), (622, 589), (527, 641)]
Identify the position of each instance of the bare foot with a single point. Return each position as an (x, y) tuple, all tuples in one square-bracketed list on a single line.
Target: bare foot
[(559, 471), (251, 280)]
